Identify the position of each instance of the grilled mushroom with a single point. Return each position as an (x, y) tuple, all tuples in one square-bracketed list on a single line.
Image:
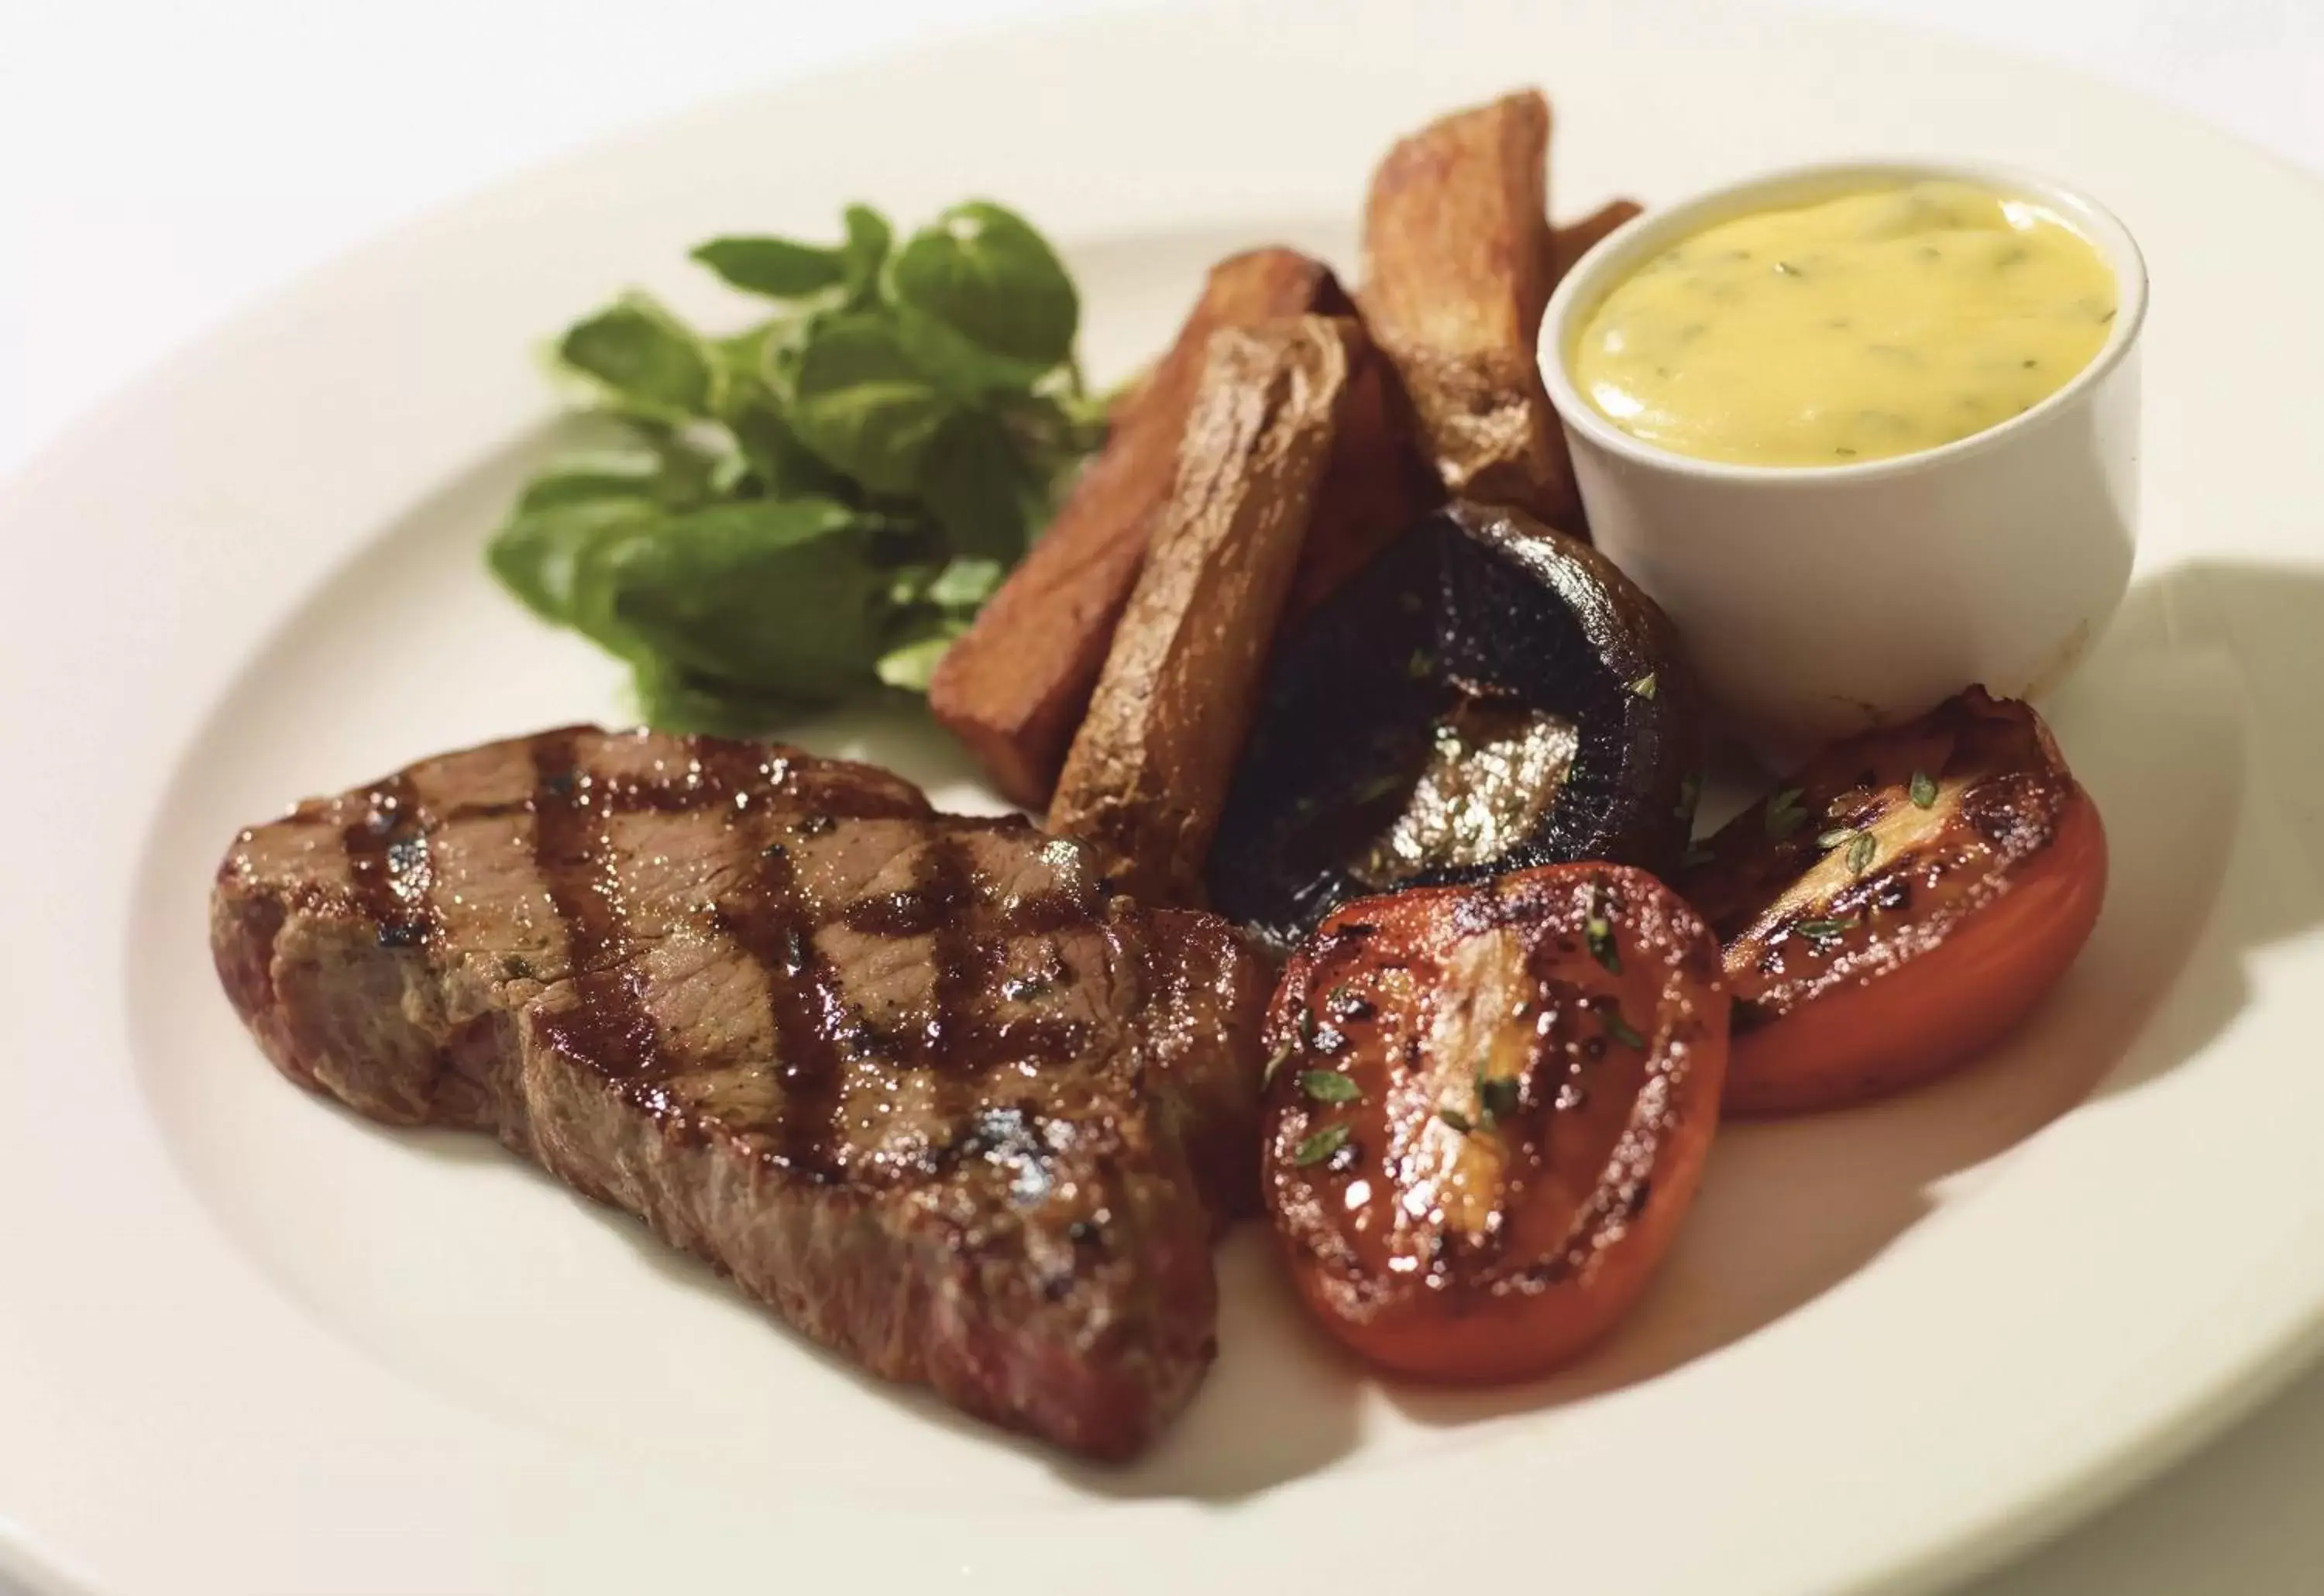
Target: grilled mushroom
[(1487, 695)]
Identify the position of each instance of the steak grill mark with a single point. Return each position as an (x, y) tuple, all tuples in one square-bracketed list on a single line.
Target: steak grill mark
[(388, 868), (607, 1024), (771, 922), (1013, 959)]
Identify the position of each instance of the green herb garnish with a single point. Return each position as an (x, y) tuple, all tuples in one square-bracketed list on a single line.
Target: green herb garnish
[(1498, 1096), (1835, 837), (1923, 790), (1784, 815), (1599, 933), (1644, 686), (1861, 852), (1456, 1118), (813, 509), (1329, 1086), (1321, 1146), (1276, 1061), (1620, 1029), (1824, 930)]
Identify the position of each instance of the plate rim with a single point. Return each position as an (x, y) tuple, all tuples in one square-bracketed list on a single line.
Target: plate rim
[(2235, 1392)]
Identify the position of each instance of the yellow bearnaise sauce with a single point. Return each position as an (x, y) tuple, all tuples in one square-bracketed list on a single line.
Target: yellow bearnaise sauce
[(1864, 326)]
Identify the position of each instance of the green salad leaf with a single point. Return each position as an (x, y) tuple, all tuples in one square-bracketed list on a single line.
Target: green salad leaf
[(982, 275), (963, 585), (911, 665), (781, 465), (815, 505), (646, 359), (859, 403), (786, 269), (675, 699), (978, 488), (779, 268), (539, 553), (776, 596), (654, 470)]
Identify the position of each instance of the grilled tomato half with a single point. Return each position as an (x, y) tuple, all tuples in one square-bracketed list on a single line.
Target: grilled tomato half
[(1488, 1109), (1898, 904)]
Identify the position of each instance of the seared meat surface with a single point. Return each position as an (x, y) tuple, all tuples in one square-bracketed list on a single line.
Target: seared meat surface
[(914, 1080)]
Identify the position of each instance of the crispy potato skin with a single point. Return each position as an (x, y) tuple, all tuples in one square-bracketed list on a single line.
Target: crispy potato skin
[(1571, 242), (1013, 688), (1481, 1134), (1375, 487), (1149, 772), (1956, 919), (1457, 269)]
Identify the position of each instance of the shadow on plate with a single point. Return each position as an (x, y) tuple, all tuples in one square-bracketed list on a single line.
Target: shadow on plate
[(2196, 727), (314, 708), (2193, 720), (1277, 1407), (1281, 1402), (2262, 627)]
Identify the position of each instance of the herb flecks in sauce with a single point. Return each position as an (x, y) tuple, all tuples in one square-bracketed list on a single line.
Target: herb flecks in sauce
[(1869, 326)]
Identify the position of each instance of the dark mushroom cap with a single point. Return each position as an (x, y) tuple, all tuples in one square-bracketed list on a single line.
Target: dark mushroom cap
[(1487, 695)]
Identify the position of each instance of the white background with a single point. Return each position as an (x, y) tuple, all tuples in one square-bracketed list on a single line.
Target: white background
[(165, 164)]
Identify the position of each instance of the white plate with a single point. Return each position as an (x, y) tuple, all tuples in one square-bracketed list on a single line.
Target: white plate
[(248, 1343)]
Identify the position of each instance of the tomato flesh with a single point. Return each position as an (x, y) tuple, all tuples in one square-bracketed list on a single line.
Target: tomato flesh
[(1488, 1110), (1899, 904)]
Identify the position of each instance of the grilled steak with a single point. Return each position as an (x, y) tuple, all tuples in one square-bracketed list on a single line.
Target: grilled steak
[(912, 1079)]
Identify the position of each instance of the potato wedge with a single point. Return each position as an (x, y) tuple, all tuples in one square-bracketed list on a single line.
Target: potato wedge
[(1456, 271), (1014, 687), (1571, 242), (1376, 488), (1149, 772)]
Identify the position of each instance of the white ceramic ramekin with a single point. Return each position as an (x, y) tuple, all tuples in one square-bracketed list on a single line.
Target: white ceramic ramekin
[(1818, 601)]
